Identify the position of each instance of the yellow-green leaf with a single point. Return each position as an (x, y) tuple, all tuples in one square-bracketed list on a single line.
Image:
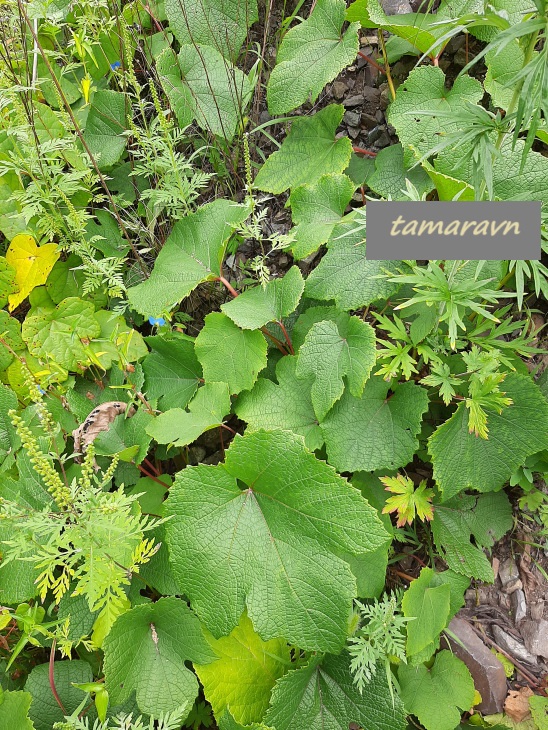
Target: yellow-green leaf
[(32, 265)]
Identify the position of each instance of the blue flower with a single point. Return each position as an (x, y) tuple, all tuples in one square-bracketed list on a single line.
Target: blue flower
[(115, 65), (159, 321), (41, 391)]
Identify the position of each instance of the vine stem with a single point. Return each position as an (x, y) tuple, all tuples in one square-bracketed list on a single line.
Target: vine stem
[(371, 61), (51, 676), (151, 476), (361, 151), (286, 336), (387, 65)]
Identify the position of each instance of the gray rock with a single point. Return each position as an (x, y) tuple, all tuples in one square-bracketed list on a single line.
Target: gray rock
[(338, 89), (352, 119), (535, 636), (369, 121), (508, 571), (396, 7), (371, 99), (486, 670), (519, 605), (352, 101), (383, 141), (513, 585), (536, 610), (374, 134), (353, 132), (514, 647)]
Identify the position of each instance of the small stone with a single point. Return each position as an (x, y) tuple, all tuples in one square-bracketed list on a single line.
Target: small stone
[(371, 99), (455, 43), (374, 134), (338, 89), (444, 64), (519, 605), (368, 121), (385, 98), (508, 571), (512, 646), (513, 585), (461, 58), (196, 455), (352, 119), (495, 564), (352, 101), (396, 7), (536, 610), (486, 670), (379, 116), (353, 132), (535, 636), (383, 141)]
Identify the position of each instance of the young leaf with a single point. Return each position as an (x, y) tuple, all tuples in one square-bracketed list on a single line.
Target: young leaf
[(105, 127), (257, 306), (408, 502), (439, 695), (316, 209), (429, 607), (286, 405), (330, 352), (323, 695), (146, 651), (276, 543), (44, 710), (10, 332), (391, 175), (8, 281), (32, 265), (221, 24), (172, 371), (205, 411), (345, 275), (484, 518), (376, 431), (310, 56), (14, 707), (127, 437), (229, 354), (193, 253), (309, 151), (463, 461), (179, 95), (242, 677)]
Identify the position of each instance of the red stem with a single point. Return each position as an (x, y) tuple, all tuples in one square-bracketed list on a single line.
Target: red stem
[(232, 431), (372, 62), (151, 476), (361, 151), (228, 285), (151, 466), (51, 677), (287, 338)]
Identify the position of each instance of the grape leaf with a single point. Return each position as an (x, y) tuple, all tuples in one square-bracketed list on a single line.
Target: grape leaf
[(32, 265), (424, 89), (9, 441), (376, 431), (309, 151), (242, 677), (227, 722), (260, 305), (323, 696), (222, 24), (439, 695), (44, 710), (146, 651), (172, 371), (512, 10), (62, 334), (127, 437), (463, 461), (179, 95), (10, 332), (8, 281), (218, 91), (193, 253), (334, 350), (429, 607), (14, 707), (391, 174), (310, 56), (105, 127), (502, 66), (205, 411), (317, 209), (485, 518), (229, 354), (345, 275), (272, 547), (286, 405)]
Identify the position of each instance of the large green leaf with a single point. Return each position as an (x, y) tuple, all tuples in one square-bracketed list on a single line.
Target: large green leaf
[(512, 10), (205, 411), (146, 651), (229, 354), (429, 607), (258, 306), (333, 350), (309, 151), (345, 275), (62, 334), (437, 696), (179, 95), (193, 253), (105, 127), (9, 441), (286, 405), (272, 546), (310, 56), (127, 437), (317, 209), (391, 174), (323, 696), (219, 92), (172, 371), (425, 90), (44, 710), (484, 518), (10, 332), (8, 284), (14, 707), (502, 66), (242, 677), (464, 461), (376, 431), (222, 24)]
